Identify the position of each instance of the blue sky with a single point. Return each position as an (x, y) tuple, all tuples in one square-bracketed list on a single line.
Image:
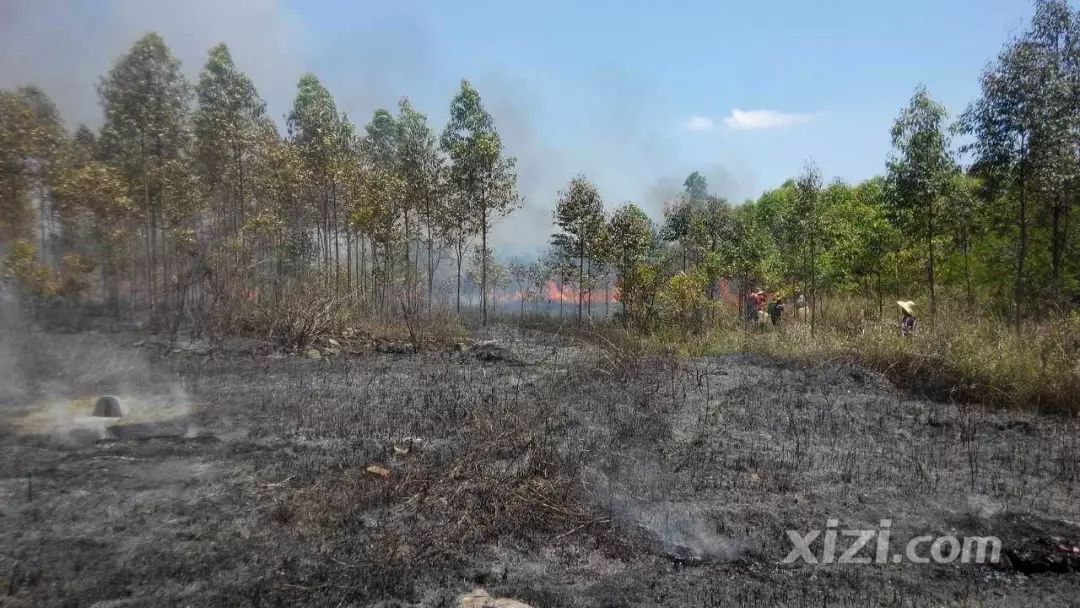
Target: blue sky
[(633, 94)]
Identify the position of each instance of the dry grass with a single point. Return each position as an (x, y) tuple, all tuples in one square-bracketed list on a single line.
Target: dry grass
[(958, 357), (295, 316)]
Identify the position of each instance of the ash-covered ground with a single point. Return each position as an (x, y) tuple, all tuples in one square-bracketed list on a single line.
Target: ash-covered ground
[(553, 472)]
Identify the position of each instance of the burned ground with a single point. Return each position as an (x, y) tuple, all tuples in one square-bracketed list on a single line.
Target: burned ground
[(551, 473)]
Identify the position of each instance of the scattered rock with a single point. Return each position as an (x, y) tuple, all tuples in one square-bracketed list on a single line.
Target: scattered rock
[(378, 471), (313, 353), (333, 343), (479, 598), (109, 406)]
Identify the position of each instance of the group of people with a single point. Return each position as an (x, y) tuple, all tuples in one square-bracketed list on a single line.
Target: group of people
[(762, 307)]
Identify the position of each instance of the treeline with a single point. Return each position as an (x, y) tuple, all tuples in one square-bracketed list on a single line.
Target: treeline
[(189, 204), (995, 237)]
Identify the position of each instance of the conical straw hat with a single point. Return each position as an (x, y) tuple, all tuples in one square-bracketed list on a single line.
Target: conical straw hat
[(907, 305)]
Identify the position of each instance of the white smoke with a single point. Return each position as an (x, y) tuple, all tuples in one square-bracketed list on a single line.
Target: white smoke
[(49, 382)]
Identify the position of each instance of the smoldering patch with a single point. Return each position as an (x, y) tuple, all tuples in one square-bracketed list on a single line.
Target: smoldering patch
[(85, 419), (685, 532)]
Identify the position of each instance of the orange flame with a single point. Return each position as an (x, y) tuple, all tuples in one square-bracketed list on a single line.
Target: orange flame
[(568, 294)]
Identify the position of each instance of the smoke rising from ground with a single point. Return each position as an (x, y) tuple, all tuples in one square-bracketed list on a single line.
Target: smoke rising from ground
[(12, 342), (49, 382)]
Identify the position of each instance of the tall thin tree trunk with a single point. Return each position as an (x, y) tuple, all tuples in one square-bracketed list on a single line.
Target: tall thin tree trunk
[(483, 260), (1021, 247), (562, 298), (588, 298), (607, 295), (430, 269), (388, 262), (967, 267), (1057, 245), (813, 283), (337, 238), (348, 261), (405, 242), (42, 255), (880, 296), (460, 259), (930, 258), (581, 275)]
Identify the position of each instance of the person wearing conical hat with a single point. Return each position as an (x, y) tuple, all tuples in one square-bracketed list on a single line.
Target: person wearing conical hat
[(907, 323)]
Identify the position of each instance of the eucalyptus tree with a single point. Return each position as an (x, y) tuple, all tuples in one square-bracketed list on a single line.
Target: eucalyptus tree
[(559, 265), (579, 213), (519, 274), (226, 124), (679, 214), (388, 188), (145, 99), (47, 144), (1054, 38), (436, 218), (1026, 125), (93, 198), (482, 175), (919, 172), (1002, 122), (808, 213), (633, 239), (709, 227), (744, 256), (278, 184), (347, 171), (18, 122), (420, 165), (872, 236), (313, 128)]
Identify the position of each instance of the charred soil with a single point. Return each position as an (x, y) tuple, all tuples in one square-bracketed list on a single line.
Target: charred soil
[(541, 468)]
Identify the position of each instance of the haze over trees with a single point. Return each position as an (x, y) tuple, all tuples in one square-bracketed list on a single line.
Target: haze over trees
[(189, 205)]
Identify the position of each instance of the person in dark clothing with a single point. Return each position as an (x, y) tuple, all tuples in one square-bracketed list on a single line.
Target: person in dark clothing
[(776, 310)]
